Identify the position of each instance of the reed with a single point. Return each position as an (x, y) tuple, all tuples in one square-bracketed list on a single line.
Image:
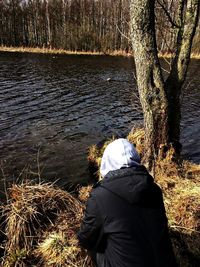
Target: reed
[(45, 50), (194, 55)]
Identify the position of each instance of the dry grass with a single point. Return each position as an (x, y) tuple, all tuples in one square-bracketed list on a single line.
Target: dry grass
[(41, 226), (194, 55), (181, 191), (42, 221), (58, 249), (95, 154), (39, 50), (84, 193), (44, 50), (136, 137)]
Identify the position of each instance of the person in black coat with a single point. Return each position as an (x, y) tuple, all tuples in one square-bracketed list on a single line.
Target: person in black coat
[(125, 223)]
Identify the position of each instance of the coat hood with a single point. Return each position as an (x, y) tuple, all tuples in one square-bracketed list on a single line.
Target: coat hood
[(134, 184), (119, 154)]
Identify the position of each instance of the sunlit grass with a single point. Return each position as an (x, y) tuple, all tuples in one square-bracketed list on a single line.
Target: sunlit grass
[(57, 249), (194, 55), (181, 191), (41, 220), (44, 50)]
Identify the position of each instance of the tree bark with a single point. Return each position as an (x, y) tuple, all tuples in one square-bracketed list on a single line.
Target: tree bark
[(149, 79), (64, 23), (187, 25), (161, 100), (48, 33)]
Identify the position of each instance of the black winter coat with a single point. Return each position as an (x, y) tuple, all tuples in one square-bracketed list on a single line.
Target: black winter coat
[(125, 223)]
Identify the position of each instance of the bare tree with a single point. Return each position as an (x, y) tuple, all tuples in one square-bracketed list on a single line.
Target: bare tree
[(161, 99), (48, 25)]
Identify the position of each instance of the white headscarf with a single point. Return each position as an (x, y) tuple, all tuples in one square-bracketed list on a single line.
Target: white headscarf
[(119, 154)]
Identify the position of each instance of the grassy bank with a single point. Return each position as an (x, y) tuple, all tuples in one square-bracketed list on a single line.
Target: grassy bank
[(170, 55), (181, 192), (40, 221), (38, 50)]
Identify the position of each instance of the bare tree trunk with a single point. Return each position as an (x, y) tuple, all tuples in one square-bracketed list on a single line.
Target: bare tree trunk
[(149, 79), (49, 42), (187, 24), (161, 101), (64, 23)]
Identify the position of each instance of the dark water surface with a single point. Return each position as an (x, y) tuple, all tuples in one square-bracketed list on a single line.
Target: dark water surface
[(60, 105)]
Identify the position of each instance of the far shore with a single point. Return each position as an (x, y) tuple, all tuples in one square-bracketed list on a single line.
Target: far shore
[(38, 50)]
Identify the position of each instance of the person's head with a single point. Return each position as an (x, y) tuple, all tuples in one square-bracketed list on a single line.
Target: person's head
[(119, 154)]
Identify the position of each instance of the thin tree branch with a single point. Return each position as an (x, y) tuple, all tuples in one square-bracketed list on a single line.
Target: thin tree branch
[(122, 33), (165, 70), (173, 23), (184, 41), (163, 37)]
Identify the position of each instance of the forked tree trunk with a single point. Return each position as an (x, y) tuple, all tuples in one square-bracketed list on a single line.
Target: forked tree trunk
[(187, 21), (149, 79), (161, 100)]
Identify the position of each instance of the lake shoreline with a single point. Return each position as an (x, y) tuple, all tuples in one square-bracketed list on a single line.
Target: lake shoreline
[(41, 220), (53, 51), (38, 50)]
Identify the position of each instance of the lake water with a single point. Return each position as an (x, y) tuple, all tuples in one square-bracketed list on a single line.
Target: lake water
[(59, 105)]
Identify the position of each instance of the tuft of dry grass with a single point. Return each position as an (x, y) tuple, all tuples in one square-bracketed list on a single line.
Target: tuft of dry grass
[(58, 249), (182, 203), (84, 193), (41, 225), (95, 154), (16, 258), (136, 137)]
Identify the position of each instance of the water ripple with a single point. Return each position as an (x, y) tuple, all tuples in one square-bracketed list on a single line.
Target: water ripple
[(64, 104)]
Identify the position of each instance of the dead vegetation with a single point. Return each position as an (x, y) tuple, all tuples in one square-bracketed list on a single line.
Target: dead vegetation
[(44, 50), (41, 221), (41, 224), (181, 191)]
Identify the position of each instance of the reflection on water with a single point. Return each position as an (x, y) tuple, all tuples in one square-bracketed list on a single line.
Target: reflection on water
[(63, 104)]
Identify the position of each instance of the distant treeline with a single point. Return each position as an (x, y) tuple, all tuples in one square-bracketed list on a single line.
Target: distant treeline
[(80, 25)]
